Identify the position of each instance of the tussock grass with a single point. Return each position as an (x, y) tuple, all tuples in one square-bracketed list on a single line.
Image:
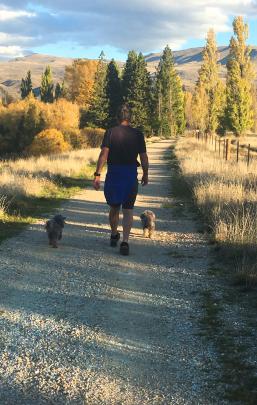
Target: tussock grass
[(226, 194), (32, 177), (32, 186)]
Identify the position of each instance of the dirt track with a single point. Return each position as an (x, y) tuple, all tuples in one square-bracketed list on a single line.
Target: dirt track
[(83, 325)]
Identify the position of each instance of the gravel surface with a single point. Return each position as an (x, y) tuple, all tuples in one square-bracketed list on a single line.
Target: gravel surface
[(83, 325)]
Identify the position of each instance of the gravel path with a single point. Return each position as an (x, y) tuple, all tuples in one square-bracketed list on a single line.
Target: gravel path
[(83, 325)]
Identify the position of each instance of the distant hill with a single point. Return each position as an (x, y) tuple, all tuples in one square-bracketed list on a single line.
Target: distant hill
[(187, 62)]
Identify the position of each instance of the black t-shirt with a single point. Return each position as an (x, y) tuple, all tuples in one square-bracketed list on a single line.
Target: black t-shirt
[(125, 144)]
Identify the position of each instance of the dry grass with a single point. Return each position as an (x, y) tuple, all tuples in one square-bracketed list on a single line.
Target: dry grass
[(31, 177), (226, 193)]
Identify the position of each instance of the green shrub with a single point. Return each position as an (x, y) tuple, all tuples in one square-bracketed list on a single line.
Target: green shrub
[(75, 138), (49, 141), (93, 136)]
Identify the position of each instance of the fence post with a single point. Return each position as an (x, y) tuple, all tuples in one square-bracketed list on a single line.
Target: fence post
[(248, 155), (228, 149), (224, 149), (237, 151), (219, 145), (215, 146)]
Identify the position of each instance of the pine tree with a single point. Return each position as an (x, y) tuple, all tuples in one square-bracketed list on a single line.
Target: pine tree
[(47, 86), (113, 93), (136, 88), (239, 103), (170, 104), (59, 91), (26, 86), (97, 114), (208, 100)]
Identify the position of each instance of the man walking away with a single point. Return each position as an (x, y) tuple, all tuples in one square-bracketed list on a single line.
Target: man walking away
[(120, 148)]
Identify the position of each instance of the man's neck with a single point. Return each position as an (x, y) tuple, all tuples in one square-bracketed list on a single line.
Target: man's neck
[(125, 123)]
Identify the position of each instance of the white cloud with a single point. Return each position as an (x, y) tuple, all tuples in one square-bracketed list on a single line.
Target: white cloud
[(144, 25), (11, 52), (7, 14)]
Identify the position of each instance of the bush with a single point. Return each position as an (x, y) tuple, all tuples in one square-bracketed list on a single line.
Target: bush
[(75, 138), (49, 141), (93, 136)]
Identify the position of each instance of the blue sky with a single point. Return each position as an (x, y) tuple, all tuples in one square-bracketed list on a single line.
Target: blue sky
[(82, 28)]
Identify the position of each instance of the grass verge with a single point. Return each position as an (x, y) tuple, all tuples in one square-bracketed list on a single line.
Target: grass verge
[(226, 195), (233, 342), (20, 207)]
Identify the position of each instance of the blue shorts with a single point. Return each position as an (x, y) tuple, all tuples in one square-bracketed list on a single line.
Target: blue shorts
[(129, 204), (121, 186)]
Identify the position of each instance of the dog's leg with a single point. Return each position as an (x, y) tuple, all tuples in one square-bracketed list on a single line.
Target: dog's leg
[(145, 232), (151, 233)]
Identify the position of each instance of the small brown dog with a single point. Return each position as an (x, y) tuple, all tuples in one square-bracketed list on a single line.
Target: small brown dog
[(148, 223), (54, 228)]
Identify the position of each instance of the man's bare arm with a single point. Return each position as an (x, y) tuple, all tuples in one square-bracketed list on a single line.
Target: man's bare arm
[(102, 159), (145, 166)]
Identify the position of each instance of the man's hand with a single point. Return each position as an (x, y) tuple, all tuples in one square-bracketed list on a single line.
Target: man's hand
[(144, 180), (97, 183)]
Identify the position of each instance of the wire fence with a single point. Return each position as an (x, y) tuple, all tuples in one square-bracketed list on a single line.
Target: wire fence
[(228, 148)]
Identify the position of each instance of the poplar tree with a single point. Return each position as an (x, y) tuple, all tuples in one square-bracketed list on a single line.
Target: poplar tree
[(97, 114), (26, 86), (239, 102), (47, 86), (136, 88), (170, 104), (113, 93), (208, 98)]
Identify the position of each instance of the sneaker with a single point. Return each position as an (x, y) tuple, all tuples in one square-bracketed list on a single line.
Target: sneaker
[(124, 248), (114, 240)]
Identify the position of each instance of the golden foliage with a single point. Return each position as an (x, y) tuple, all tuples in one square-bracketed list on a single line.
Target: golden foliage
[(23, 120), (49, 141), (79, 80), (61, 115)]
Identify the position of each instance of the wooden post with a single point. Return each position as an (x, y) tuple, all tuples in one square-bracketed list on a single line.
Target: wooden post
[(219, 146), (228, 145), (224, 148), (248, 155), (237, 151), (215, 146)]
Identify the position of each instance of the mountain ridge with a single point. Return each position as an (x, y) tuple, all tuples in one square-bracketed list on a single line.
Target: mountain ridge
[(187, 63)]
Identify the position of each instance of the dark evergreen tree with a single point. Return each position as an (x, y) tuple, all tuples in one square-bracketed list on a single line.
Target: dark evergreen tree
[(170, 109), (98, 111), (113, 93), (47, 86), (26, 86), (59, 91), (136, 87)]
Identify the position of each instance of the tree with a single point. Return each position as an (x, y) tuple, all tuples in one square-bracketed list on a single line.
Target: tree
[(49, 141), (59, 91), (136, 89), (239, 102), (47, 86), (113, 93), (208, 97), (79, 81), (26, 86), (169, 97), (98, 112)]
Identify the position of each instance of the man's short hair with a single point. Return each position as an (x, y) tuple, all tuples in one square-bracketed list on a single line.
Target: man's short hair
[(124, 113)]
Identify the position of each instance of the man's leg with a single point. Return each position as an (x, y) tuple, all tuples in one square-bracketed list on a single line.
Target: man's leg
[(127, 223), (114, 216)]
